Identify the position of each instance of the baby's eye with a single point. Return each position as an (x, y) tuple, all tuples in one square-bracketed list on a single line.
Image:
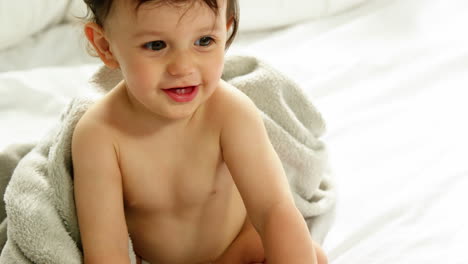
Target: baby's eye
[(155, 45), (204, 41)]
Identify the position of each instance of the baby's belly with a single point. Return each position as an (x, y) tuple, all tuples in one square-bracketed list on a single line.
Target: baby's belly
[(198, 235)]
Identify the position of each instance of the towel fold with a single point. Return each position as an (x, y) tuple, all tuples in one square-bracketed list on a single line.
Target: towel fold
[(41, 222)]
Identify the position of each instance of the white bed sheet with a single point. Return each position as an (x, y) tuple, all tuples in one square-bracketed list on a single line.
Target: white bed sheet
[(390, 78)]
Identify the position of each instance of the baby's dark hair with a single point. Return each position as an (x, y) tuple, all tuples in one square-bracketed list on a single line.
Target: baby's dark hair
[(98, 10)]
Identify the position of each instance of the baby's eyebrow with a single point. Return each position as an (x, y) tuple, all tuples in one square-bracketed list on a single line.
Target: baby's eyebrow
[(147, 33), (211, 29)]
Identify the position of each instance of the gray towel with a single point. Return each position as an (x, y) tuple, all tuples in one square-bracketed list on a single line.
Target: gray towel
[(41, 217)]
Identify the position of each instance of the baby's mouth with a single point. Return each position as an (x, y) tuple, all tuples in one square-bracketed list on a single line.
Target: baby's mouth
[(181, 90), (182, 94)]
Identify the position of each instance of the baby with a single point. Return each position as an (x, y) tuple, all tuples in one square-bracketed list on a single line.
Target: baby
[(173, 156)]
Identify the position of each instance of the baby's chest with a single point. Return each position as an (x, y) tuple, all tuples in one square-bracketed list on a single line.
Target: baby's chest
[(171, 179)]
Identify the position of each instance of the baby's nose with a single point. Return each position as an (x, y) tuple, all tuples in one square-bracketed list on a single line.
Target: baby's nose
[(181, 65)]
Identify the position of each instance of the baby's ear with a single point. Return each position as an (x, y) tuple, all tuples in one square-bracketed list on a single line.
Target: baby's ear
[(95, 35), (229, 23)]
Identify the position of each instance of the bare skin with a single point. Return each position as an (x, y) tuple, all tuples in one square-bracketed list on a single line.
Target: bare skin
[(180, 202), (181, 205)]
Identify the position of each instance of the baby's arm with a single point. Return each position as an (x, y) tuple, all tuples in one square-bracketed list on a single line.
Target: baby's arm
[(262, 183), (98, 195)]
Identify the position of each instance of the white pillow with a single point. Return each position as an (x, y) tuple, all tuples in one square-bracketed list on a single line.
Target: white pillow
[(21, 18)]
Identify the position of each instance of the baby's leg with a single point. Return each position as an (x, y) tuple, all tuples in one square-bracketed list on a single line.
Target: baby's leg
[(247, 247), (321, 257)]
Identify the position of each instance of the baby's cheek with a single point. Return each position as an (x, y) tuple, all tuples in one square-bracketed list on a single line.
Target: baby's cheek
[(217, 67), (142, 78)]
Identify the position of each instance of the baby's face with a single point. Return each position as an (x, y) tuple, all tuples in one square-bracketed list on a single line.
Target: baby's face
[(165, 46)]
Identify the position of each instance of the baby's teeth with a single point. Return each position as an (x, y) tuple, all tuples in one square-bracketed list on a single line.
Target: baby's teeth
[(181, 90)]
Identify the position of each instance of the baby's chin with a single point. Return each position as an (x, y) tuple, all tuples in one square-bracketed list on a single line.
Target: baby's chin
[(179, 112)]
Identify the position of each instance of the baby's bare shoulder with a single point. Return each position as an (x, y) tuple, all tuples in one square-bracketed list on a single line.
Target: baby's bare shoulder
[(104, 113), (94, 129), (93, 119), (228, 101)]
